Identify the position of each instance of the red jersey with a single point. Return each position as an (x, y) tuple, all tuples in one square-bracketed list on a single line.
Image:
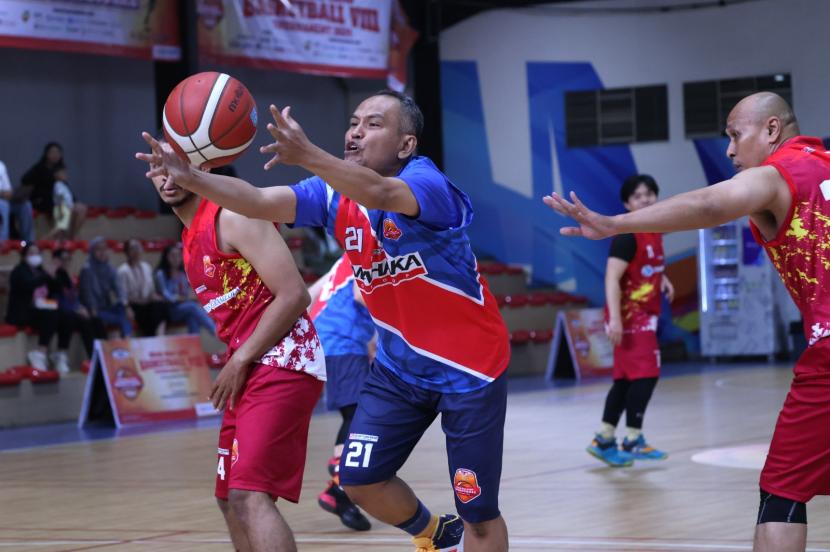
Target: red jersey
[(234, 296), (640, 284), (801, 249)]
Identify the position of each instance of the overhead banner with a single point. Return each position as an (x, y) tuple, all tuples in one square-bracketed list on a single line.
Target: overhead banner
[(147, 29), (344, 38), (149, 379), (580, 339)]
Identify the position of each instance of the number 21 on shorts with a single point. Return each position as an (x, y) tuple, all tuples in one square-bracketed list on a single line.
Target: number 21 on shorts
[(359, 455)]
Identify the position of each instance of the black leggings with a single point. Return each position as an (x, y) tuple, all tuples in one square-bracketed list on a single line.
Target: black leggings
[(348, 413), (49, 322), (631, 396)]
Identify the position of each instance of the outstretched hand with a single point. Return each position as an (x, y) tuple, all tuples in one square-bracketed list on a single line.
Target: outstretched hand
[(164, 161), (592, 225), (291, 146)]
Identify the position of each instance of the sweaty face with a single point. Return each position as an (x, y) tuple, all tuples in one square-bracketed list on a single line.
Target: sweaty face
[(642, 197), (374, 138), (748, 140)]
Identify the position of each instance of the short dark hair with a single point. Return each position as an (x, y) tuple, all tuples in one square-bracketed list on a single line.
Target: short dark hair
[(633, 182), (412, 120)]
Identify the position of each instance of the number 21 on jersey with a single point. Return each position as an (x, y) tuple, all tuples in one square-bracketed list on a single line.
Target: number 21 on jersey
[(354, 239)]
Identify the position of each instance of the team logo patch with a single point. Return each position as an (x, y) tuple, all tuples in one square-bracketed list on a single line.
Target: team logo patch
[(234, 451), (128, 382), (647, 271), (465, 484), (391, 230), (210, 268)]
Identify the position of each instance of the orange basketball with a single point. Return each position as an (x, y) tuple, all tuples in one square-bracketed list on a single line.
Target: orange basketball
[(210, 119)]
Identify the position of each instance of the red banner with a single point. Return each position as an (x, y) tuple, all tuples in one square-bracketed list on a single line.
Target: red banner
[(344, 38), (147, 29)]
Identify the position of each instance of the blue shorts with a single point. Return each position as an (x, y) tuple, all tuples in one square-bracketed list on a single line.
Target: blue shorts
[(344, 379), (391, 417)]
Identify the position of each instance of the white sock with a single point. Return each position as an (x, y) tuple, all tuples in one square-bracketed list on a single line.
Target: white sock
[(606, 430), (633, 434)]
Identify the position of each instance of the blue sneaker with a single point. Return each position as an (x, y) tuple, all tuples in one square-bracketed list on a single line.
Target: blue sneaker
[(607, 451), (640, 450), (448, 536)]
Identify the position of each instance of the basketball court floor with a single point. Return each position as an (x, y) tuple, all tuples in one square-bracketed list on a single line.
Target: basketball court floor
[(152, 491)]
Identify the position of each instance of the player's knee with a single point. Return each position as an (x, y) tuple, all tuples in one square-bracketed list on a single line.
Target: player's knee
[(243, 503), (777, 509)]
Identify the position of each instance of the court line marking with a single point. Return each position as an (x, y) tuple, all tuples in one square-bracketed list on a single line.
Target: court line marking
[(612, 544)]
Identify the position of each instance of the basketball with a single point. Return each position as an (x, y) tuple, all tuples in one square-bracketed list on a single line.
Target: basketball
[(210, 119)]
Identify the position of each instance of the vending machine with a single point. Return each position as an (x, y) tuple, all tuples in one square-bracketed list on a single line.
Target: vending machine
[(739, 295)]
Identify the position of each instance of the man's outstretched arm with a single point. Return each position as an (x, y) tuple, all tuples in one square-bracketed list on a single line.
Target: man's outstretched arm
[(751, 192), (276, 203)]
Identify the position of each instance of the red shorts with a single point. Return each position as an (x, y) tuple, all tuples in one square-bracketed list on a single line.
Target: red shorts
[(798, 463), (637, 356), (262, 442)]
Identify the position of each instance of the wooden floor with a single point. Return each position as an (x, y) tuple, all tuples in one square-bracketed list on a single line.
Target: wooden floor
[(154, 492)]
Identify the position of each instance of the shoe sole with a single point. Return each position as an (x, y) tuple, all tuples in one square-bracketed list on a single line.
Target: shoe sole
[(606, 462)]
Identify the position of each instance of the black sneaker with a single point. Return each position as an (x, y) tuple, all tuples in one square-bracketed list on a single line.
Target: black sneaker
[(335, 500)]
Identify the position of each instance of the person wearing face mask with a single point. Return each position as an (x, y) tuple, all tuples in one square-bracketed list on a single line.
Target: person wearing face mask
[(33, 302), (634, 279)]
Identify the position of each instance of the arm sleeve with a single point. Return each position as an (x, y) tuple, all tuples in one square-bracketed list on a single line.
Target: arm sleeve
[(313, 197), (441, 205), (623, 247), (161, 287)]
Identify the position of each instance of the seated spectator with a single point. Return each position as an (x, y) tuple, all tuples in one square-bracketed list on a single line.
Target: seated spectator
[(99, 290), (68, 300), (39, 182), (172, 284), (63, 201), (136, 279), (14, 202), (33, 293)]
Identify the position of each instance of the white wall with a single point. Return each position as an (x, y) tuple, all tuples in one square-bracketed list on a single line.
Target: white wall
[(671, 48)]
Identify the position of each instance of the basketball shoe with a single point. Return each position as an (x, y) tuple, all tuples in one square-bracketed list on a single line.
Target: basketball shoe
[(640, 450), (333, 465), (607, 451), (335, 500), (447, 537)]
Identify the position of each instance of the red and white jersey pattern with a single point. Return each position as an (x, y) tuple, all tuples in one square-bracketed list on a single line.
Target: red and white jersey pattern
[(640, 285), (234, 296), (801, 250)]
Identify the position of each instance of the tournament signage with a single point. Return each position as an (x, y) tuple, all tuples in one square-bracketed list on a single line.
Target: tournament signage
[(580, 346), (345, 38), (149, 379), (147, 29)]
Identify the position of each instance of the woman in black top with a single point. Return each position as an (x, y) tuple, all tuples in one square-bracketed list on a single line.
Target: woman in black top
[(33, 302)]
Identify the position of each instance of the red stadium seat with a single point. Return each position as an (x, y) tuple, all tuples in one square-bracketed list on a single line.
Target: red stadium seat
[(14, 245), (145, 214), (541, 336), (538, 299), (519, 337), (10, 378), (116, 245), (85, 365), (95, 211), (492, 268), (516, 301), (47, 245), (43, 376), (501, 300), (514, 270), (8, 330)]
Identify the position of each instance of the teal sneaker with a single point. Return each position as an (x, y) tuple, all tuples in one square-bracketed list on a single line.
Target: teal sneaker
[(607, 451), (640, 450), (448, 536)]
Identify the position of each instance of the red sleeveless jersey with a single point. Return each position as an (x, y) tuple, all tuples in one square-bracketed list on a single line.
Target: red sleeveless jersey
[(234, 296), (801, 249), (640, 284)]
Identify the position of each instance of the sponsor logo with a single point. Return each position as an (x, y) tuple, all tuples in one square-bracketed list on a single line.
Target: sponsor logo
[(647, 271), (253, 116), (825, 189), (363, 437), (234, 451), (209, 267), (128, 382), (391, 230), (389, 271), (223, 451), (200, 289), (120, 354), (217, 302), (465, 484)]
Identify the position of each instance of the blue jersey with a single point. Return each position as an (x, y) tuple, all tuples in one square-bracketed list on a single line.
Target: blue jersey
[(343, 325), (438, 325)]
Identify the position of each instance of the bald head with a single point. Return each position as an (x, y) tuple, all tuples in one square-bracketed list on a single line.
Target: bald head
[(761, 106), (757, 126)]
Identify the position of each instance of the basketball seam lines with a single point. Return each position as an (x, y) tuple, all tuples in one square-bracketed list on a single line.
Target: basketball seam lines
[(242, 115)]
